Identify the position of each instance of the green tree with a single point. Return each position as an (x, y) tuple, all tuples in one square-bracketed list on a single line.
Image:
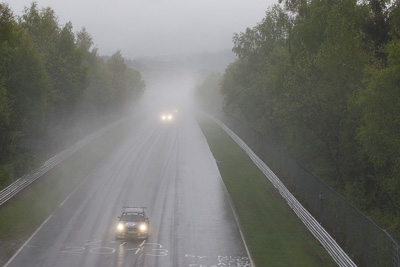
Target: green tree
[(326, 75), (25, 96), (84, 41), (4, 122), (299, 76), (24, 79), (379, 135), (377, 26), (252, 83), (135, 84), (7, 38), (125, 82), (49, 80), (116, 66), (29, 88), (69, 73), (43, 27), (99, 93), (63, 60), (208, 93), (394, 19)]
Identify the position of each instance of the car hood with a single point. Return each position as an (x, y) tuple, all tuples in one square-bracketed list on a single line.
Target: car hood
[(131, 224)]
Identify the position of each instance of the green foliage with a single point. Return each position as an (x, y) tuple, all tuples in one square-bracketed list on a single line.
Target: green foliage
[(63, 59), (99, 93), (49, 79), (208, 92), (377, 25), (43, 28), (394, 20), (134, 84), (6, 38), (326, 75), (29, 87), (381, 111), (4, 121), (84, 41), (322, 79), (379, 135)]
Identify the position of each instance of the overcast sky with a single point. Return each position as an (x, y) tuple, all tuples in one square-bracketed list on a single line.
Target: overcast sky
[(156, 27)]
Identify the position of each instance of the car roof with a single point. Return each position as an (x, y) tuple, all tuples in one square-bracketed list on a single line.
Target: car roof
[(134, 209)]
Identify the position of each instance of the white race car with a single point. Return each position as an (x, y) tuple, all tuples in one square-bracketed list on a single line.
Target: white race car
[(133, 223)]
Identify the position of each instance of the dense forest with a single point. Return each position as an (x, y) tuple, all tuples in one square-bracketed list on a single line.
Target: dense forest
[(52, 80), (322, 79)]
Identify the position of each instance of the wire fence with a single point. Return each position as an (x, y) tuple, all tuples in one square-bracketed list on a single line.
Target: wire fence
[(364, 241), (337, 253)]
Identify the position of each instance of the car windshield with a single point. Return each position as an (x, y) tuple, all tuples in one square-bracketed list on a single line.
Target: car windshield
[(131, 217)]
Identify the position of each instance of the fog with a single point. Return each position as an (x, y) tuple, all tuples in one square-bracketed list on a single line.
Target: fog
[(174, 43), (154, 28), (168, 91)]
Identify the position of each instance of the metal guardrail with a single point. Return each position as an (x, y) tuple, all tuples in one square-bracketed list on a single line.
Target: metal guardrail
[(337, 253), (358, 235), (22, 182)]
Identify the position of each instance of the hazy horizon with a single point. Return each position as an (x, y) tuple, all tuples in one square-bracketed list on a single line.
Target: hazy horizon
[(156, 28)]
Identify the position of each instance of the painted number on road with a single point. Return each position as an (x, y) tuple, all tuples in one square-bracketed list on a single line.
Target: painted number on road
[(227, 261), (149, 249)]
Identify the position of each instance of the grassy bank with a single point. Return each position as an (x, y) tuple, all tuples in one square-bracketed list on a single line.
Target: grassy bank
[(274, 234), (22, 215)]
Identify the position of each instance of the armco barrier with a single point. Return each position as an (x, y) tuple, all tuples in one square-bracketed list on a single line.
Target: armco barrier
[(364, 241), (337, 253), (10, 191)]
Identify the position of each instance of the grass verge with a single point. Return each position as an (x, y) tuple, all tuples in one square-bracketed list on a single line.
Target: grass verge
[(24, 213), (274, 234)]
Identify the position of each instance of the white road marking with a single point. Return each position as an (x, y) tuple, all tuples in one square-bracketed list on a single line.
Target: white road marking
[(74, 250), (121, 245), (103, 250), (159, 252), (144, 241), (27, 241), (155, 244), (137, 250), (92, 242)]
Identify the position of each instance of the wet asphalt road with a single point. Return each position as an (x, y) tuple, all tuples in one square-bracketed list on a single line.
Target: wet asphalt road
[(167, 168)]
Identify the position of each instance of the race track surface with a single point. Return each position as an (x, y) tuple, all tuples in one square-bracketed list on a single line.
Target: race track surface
[(166, 167)]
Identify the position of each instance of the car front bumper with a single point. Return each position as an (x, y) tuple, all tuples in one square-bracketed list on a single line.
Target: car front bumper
[(131, 234)]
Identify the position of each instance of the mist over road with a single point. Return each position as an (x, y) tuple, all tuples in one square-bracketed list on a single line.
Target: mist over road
[(166, 167)]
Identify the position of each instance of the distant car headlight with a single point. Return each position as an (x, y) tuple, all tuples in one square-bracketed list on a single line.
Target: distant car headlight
[(166, 117), (120, 227), (143, 227)]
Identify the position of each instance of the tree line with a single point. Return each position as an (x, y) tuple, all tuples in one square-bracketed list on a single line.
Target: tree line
[(51, 77), (322, 78)]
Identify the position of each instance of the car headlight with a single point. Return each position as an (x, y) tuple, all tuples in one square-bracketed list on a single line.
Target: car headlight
[(143, 227), (120, 227), (166, 117)]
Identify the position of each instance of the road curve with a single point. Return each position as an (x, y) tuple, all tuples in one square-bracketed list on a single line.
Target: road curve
[(166, 167)]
